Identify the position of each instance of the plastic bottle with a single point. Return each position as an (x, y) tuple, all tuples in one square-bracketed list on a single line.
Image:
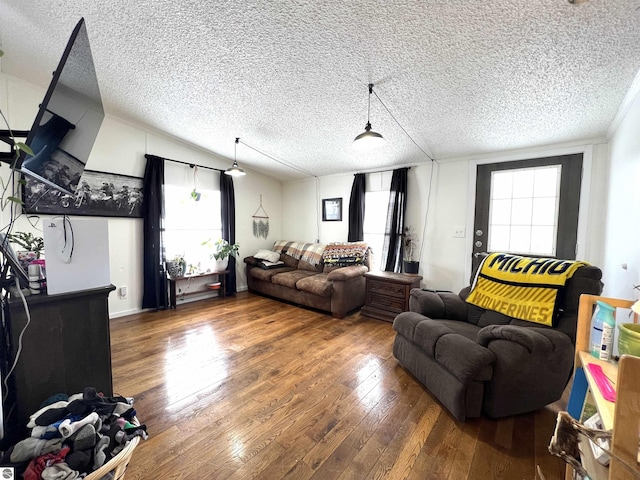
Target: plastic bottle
[(603, 325)]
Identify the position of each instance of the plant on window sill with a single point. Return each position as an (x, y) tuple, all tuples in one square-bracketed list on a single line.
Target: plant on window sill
[(223, 249)]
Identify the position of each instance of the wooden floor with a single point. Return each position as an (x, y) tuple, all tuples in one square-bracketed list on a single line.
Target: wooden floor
[(248, 387)]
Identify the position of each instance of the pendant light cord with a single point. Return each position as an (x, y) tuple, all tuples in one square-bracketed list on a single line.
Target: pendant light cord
[(276, 160), (399, 124), (369, 107)]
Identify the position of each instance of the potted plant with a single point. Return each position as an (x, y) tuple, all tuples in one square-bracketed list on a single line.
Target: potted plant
[(410, 248), (177, 266), (32, 247), (223, 250)]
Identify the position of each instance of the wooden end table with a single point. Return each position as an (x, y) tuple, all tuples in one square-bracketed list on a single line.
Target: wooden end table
[(387, 294), (174, 281)]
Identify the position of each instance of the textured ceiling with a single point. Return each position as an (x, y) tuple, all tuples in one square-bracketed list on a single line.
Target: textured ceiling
[(290, 77)]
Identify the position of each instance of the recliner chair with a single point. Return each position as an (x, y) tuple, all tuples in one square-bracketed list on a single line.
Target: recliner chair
[(475, 360)]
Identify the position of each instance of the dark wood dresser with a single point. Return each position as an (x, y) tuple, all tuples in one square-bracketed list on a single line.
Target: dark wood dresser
[(65, 347), (387, 294)]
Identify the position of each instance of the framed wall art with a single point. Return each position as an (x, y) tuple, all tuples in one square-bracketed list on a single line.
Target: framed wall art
[(332, 209), (98, 194)]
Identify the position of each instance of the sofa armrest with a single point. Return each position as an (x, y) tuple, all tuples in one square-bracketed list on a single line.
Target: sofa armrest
[(343, 274), (251, 260), (443, 305)]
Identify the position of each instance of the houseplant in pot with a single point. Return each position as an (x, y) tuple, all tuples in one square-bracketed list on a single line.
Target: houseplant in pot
[(409, 250), (221, 254), (31, 245), (177, 266)]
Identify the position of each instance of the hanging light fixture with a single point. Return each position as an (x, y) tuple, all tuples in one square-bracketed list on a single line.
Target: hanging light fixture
[(368, 139), (235, 170)]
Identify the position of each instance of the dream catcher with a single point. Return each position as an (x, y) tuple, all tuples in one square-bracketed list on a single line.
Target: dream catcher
[(260, 222)]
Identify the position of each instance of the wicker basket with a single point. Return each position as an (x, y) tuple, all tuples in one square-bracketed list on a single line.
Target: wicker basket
[(118, 464)]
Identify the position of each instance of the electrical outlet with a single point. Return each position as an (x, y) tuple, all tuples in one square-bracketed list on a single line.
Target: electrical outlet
[(123, 292), (459, 232)]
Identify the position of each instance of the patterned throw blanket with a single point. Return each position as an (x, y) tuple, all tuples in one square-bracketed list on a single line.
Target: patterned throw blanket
[(521, 287), (309, 252)]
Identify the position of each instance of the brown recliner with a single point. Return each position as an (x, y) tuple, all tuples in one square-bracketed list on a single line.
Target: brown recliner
[(475, 360)]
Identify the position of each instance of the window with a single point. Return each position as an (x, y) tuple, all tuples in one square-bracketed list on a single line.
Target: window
[(375, 221), (523, 210), (189, 223)]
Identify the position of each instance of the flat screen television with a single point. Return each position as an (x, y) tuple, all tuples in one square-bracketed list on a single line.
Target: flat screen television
[(68, 120)]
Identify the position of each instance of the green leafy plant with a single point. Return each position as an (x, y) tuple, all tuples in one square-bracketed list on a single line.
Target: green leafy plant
[(223, 249), (28, 241), (195, 195), (17, 147), (179, 259)]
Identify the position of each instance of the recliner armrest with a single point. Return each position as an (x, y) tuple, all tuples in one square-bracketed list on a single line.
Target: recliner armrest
[(444, 305), (533, 339)]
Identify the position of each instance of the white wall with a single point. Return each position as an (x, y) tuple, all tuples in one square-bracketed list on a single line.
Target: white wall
[(445, 260), (120, 148), (621, 222)]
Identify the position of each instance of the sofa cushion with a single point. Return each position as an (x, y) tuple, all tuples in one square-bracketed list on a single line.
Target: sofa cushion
[(289, 279), (316, 284), (265, 275), (304, 265)]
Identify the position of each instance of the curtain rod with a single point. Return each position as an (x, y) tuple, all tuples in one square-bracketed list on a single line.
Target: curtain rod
[(383, 171), (148, 156)]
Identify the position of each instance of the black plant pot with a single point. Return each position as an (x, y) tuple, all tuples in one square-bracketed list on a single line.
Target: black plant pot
[(411, 267)]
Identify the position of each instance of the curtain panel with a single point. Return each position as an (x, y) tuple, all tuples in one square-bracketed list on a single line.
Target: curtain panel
[(154, 293), (228, 205), (356, 208), (392, 248)]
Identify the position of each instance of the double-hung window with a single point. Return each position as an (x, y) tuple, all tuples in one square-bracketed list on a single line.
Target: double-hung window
[(192, 214)]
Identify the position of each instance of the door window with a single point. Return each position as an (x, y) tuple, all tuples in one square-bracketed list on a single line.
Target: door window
[(523, 210)]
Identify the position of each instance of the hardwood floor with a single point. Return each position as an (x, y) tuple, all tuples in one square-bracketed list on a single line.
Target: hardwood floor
[(248, 387)]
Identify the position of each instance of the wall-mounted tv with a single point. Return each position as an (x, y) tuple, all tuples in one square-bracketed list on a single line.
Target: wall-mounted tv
[(68, 120)]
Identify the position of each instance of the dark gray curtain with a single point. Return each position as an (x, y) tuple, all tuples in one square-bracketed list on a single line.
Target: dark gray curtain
[(392, 248), (228, 205), (154, 293), (356, 208)]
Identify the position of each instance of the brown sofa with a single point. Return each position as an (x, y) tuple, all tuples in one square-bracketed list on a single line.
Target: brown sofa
[(324, 286)]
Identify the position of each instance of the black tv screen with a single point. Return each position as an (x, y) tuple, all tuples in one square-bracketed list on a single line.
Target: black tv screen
[(68, 121)]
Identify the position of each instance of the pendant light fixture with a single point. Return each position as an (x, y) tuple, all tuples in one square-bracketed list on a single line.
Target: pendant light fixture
[(235, 170), (368, 139)]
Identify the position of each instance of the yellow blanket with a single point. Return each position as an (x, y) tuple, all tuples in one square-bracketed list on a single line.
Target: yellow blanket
[(521, 287)]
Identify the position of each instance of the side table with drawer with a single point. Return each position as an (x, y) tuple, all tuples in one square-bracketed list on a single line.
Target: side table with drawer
[(387, 294)]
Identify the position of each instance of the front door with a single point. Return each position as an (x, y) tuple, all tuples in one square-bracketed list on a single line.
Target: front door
[(528, 207)]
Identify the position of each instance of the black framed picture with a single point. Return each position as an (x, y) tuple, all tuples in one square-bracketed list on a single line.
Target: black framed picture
[(332, 209), (98, 194)]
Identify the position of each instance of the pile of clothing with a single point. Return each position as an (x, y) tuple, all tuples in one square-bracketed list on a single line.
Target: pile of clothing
[(73, 436)]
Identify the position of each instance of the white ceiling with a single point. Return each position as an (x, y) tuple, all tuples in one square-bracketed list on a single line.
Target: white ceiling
[(289, 77)]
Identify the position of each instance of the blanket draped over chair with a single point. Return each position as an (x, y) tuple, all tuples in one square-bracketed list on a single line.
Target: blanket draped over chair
[(522, 287)]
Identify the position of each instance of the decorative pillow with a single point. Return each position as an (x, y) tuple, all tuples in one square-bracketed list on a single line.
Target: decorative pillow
[(268, 255), (344, 254)]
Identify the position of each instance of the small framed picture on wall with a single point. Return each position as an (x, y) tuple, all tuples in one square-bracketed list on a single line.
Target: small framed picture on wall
[(332, 209)]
